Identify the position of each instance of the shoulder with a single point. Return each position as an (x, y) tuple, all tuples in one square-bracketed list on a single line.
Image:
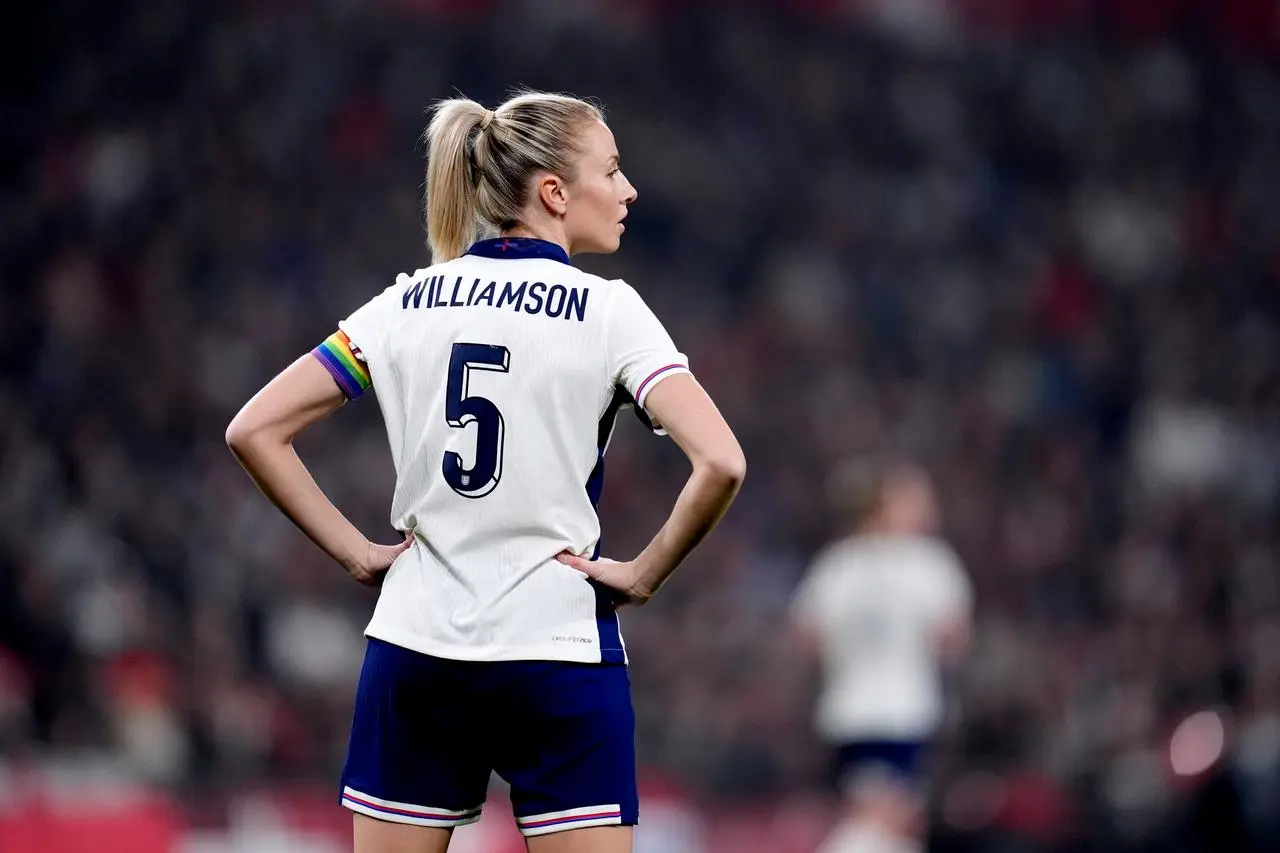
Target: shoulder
[(835, 556), (934, 566), (613, 287), (932, 550), (582, 278), (424, 273), (404, 281), (413, 285), (826, 584), (618, 299)]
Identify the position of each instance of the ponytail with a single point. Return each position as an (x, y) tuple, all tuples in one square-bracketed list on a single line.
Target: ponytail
[(480, 164), (452, 217)]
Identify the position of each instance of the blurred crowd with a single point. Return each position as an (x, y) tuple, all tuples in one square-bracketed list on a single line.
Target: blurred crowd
[(1043, 261)]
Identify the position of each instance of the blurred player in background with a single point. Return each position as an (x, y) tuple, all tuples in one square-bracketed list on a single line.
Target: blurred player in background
[(884, 608), (495, 643)]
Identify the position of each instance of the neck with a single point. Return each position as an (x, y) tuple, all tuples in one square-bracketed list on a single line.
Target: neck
[(551, 232)]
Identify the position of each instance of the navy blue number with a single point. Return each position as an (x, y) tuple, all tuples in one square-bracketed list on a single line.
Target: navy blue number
[(462, 409)]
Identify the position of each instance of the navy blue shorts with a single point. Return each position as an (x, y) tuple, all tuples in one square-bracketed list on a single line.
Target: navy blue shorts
[(898, 762), (427, 732)]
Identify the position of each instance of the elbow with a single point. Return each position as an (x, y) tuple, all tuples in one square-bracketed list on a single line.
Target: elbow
[(240, 435), (237, 438), (728, 469)]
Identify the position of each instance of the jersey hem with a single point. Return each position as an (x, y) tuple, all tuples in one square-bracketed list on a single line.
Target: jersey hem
[(416, 643)]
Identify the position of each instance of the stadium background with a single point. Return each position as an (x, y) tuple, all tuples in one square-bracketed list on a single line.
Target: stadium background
[(1034, 243)]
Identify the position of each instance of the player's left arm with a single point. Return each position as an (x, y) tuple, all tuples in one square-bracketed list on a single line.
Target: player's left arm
[(261, 437)]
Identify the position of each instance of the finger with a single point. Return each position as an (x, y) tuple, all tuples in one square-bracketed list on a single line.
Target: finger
[(573, 561), (593, 569), (405, 545)]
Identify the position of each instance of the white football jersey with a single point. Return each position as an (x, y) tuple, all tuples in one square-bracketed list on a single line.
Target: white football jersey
[(876, 604), (499, 375)]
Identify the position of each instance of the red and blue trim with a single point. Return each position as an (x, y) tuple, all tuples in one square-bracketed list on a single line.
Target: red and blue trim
[(548, 822), (652, 376), (397, 812)]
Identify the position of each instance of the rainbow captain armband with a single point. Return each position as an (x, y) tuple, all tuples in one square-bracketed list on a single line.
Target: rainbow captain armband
[(342, 360)]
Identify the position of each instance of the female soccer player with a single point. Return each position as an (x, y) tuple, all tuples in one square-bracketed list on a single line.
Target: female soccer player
[(499, 370), (884, 607)]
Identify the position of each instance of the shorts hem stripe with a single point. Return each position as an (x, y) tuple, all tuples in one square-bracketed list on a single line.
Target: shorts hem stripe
[(546, 822), (400, 817), (569, 823), (407, 812)]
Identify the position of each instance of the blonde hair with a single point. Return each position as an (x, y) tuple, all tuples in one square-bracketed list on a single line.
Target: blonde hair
[(480, 162), (858, 487)]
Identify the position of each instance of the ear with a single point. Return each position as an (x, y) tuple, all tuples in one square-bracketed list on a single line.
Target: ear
[(553, 193)]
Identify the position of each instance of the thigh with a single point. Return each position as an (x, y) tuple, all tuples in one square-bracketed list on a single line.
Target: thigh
[(417, 754), (565, 741), (597, 839), (379, 836)]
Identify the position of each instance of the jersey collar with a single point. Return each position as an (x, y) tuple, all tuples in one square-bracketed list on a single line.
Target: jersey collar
[(519, 248)]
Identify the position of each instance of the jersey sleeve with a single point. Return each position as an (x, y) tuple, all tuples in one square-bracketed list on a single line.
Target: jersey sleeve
[(641, 354), (811, 602), (345, 363), (359, 342)]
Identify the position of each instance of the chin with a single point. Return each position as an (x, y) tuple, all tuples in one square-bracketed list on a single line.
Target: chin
[(601, 244), (602, 247)]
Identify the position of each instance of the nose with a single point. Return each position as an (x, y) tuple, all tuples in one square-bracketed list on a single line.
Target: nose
[(629, 194)]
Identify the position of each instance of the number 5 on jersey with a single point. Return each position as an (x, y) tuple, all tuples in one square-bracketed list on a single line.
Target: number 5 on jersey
[(461, 409)]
